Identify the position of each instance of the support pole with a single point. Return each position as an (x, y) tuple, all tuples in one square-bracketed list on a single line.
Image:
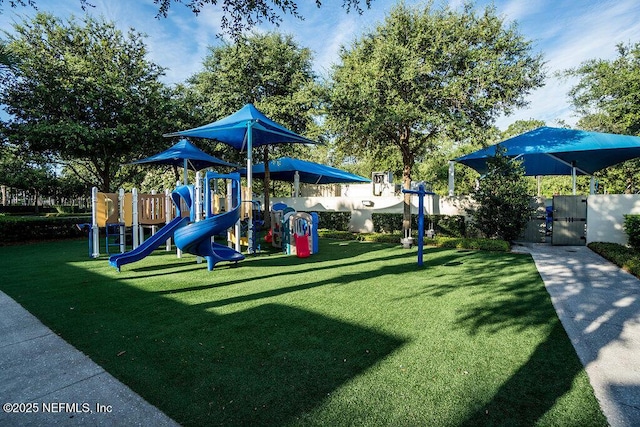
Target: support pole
[(95, 231), (452, 171), (250, 237), (167, 215), (296, 184), (135, 219), (198, 204), (179, 212), (123, 237)]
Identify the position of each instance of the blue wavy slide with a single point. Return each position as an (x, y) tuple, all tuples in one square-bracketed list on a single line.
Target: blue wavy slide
[(152, 243), (195, 238), (149, 245)]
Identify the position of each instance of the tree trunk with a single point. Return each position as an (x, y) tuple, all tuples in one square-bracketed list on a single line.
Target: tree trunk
[(176, 173), (406, 211), (35, 201), (407, 166), (105, 176)]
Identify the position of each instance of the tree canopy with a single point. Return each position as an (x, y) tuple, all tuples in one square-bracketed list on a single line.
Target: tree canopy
[(607, 97), (83, 94), (238, 16), (268, 70), (427, 74)]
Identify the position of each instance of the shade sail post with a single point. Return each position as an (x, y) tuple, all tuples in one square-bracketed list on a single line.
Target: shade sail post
[(573, 178), (452, 184), (249, 186), (296, 184), (592, 185), (185, 175)]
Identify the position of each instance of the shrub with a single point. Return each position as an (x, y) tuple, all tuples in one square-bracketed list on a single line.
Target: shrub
[(626, 258), (24, 229), (67, 209), (26, 210), (464, 243), (335, 234), (447, 225), (334, 220), (387, 222), (380, 237), (504, 206), (442, 242), (443, 225), (632, 228)]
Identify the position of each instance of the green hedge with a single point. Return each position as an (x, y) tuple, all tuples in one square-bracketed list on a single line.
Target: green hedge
[(464, 243), (623, 257), (26, 210), (632, 228), (443, 225), (334, 220), (27, 229)]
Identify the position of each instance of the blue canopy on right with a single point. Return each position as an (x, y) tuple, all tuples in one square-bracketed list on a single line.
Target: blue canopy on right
[(555, 151)]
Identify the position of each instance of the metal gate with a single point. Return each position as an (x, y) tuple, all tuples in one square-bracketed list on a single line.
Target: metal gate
[(569, 220)]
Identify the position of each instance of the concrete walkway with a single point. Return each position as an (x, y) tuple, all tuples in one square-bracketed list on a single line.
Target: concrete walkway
[(44, 381), (599, 307)]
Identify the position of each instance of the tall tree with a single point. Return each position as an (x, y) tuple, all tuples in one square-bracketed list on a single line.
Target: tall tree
[(83, 93), (607, 96), (269, 70), (427, 73)]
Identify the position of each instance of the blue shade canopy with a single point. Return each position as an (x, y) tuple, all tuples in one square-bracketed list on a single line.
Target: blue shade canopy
[(243, 130), (186, 155), (554, 151), (232, 130), (285, 168)]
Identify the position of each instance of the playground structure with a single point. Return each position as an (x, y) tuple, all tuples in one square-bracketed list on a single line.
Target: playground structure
[(192, 215), (128, 214), (196, 237), (251, 222), (295, 232)]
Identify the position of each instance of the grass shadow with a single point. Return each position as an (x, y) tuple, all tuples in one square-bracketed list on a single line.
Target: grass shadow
[(357, 335), (264, 365), (528, 395)]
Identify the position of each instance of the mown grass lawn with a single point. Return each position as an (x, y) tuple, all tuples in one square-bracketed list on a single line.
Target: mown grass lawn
[(355, 335)]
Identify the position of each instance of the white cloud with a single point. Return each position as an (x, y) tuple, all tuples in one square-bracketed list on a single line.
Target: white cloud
[(328, 51), (568, 34), (517, 10)]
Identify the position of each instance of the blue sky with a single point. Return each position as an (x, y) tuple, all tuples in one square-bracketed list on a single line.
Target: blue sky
[(566, 32)]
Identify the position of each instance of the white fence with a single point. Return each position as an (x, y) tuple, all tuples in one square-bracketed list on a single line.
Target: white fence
[(605, 216), (361, 208), (605, 212)]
